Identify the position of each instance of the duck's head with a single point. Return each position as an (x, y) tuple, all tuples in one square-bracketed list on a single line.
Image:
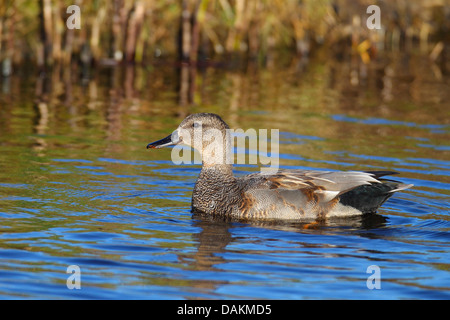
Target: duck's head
[(205, 132)]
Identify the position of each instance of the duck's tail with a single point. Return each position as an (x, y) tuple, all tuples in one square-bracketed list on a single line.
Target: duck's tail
[(368, 198)]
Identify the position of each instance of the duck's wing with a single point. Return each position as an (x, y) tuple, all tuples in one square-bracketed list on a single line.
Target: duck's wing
[(327, 185)]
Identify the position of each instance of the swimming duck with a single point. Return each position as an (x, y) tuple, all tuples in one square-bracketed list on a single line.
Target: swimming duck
[(301, 195)]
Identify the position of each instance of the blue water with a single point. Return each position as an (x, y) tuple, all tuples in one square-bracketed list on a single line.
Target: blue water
[(133, 237), (78, 188)]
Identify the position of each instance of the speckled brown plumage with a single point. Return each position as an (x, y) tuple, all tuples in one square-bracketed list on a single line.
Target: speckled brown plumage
[(288, 194)]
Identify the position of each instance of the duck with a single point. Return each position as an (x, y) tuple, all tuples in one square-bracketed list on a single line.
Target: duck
[(286, 194)]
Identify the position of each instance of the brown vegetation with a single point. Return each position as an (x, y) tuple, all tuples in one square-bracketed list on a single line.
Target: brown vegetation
[(138, 31)]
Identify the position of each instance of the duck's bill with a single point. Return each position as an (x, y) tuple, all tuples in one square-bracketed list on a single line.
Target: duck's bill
[(170, 140)]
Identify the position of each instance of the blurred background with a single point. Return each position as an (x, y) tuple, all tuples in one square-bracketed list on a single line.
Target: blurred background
[(132, 41), (206, 32)]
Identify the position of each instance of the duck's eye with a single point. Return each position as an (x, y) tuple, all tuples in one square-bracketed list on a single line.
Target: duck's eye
[(196, 125)]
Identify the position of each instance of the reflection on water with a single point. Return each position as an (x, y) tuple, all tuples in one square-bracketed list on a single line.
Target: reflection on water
[(77, 185)]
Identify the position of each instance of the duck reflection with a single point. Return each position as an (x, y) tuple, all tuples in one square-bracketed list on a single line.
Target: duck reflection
[(217, 233)]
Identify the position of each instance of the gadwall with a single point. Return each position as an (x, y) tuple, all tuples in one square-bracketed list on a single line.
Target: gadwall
[(302, 195)]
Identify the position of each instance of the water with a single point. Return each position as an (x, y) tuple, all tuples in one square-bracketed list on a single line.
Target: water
[(78, 187)]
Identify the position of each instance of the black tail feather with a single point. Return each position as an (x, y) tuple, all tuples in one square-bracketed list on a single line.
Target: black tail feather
[(368, 198)]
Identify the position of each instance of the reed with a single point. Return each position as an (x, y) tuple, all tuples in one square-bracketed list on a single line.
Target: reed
[(140, 31)]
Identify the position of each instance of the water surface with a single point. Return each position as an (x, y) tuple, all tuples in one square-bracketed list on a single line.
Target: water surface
[(78, 187)]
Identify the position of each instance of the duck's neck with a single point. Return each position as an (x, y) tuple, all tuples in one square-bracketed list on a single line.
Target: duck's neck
[(216, 190), (216, 185), (217, 154), (224, 172)]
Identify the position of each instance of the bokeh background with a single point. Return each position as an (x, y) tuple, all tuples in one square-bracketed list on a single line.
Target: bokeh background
[(206, 31)]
